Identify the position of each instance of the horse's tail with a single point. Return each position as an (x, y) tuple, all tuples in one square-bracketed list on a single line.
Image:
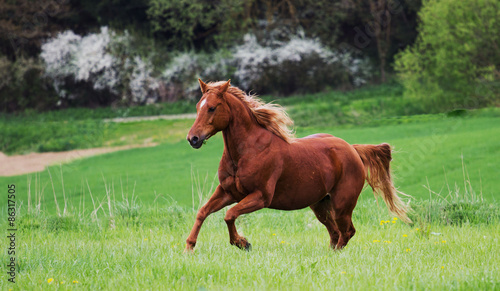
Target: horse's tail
[(376, 159)]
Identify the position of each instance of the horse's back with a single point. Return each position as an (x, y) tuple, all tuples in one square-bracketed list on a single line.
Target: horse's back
[(324, 141)]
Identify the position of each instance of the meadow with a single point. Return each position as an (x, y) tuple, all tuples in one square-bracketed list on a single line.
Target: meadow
[(120, 220)]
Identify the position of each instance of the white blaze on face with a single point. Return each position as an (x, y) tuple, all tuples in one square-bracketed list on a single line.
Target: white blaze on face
[(203, 103)]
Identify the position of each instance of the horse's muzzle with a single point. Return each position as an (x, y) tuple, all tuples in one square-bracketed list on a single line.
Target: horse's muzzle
[(195, 141)]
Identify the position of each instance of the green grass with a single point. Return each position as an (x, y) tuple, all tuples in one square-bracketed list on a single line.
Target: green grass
[(290, 251), (69, 114), (359, 107)]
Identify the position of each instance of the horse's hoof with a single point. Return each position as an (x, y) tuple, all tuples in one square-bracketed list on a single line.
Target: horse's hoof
[(188, 251), (243, 244)]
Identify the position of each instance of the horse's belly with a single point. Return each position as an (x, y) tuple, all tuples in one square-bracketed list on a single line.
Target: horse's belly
[(307, 178), (299, 193)]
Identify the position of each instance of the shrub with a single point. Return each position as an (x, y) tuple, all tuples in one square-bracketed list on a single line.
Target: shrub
[(98, 69), (185, 24), (297, 65), (280, 67), (455, 61), (22, 85)]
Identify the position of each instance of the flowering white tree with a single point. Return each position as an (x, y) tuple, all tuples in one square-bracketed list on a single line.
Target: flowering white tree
[(105, 62), (306, 57), (71, 59)]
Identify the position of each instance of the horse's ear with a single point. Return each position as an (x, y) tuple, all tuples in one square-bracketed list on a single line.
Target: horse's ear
[(224, 87), (203, 86)]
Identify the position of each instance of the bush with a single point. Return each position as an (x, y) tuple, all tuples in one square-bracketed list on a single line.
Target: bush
[(455, 213), (98, 69), (197, 23), (455, 61), (22, 86), (279, 67), (298, 65)]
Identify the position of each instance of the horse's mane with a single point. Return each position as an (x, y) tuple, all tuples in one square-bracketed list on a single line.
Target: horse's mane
[(272, 117)]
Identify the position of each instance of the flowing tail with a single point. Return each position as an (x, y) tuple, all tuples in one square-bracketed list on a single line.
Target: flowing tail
[(376, 159)]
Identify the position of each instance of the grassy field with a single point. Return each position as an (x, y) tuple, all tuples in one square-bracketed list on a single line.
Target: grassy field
[(290, 251), (120, 220)]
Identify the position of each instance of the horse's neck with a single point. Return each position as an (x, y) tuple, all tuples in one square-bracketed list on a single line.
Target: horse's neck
[(242, 131)]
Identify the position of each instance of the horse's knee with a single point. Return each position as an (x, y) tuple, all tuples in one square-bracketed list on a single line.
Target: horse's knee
[(230, 217)]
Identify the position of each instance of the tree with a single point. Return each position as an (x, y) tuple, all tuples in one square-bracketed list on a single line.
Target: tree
[(24, 24), (455, 61), (390, 23)]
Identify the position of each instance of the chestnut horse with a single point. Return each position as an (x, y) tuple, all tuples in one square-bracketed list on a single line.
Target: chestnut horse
[(264, 166)]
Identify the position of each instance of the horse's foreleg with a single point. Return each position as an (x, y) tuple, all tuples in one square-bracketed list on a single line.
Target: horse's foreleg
[(251, 203), (219, 200)]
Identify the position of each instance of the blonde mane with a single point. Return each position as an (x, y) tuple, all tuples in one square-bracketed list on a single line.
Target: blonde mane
[(272, 117)]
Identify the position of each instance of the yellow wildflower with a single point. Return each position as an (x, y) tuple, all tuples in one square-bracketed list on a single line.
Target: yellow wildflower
[(394, 218), (443, 241), (394, 221), (405, 235), (75, 282), (407, 250), (50, 280), (343, 272), (274, 234), (376, 240), (282, 241)]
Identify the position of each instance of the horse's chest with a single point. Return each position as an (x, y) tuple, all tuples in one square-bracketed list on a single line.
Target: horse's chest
[(233, 185)]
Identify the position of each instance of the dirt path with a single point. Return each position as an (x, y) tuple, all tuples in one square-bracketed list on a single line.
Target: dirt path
[(36, 162)]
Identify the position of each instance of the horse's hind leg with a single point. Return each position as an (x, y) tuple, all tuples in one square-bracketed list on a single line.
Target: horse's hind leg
[(344, 199), (345, 226), (325, 214)]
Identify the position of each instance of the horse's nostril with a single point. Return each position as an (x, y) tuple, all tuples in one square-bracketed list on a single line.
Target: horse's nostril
[(194, 140)]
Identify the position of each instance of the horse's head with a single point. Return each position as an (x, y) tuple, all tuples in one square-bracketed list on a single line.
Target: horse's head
[(213, 113)]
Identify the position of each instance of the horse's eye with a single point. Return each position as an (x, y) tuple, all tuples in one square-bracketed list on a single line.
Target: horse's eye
[(211, 109)]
